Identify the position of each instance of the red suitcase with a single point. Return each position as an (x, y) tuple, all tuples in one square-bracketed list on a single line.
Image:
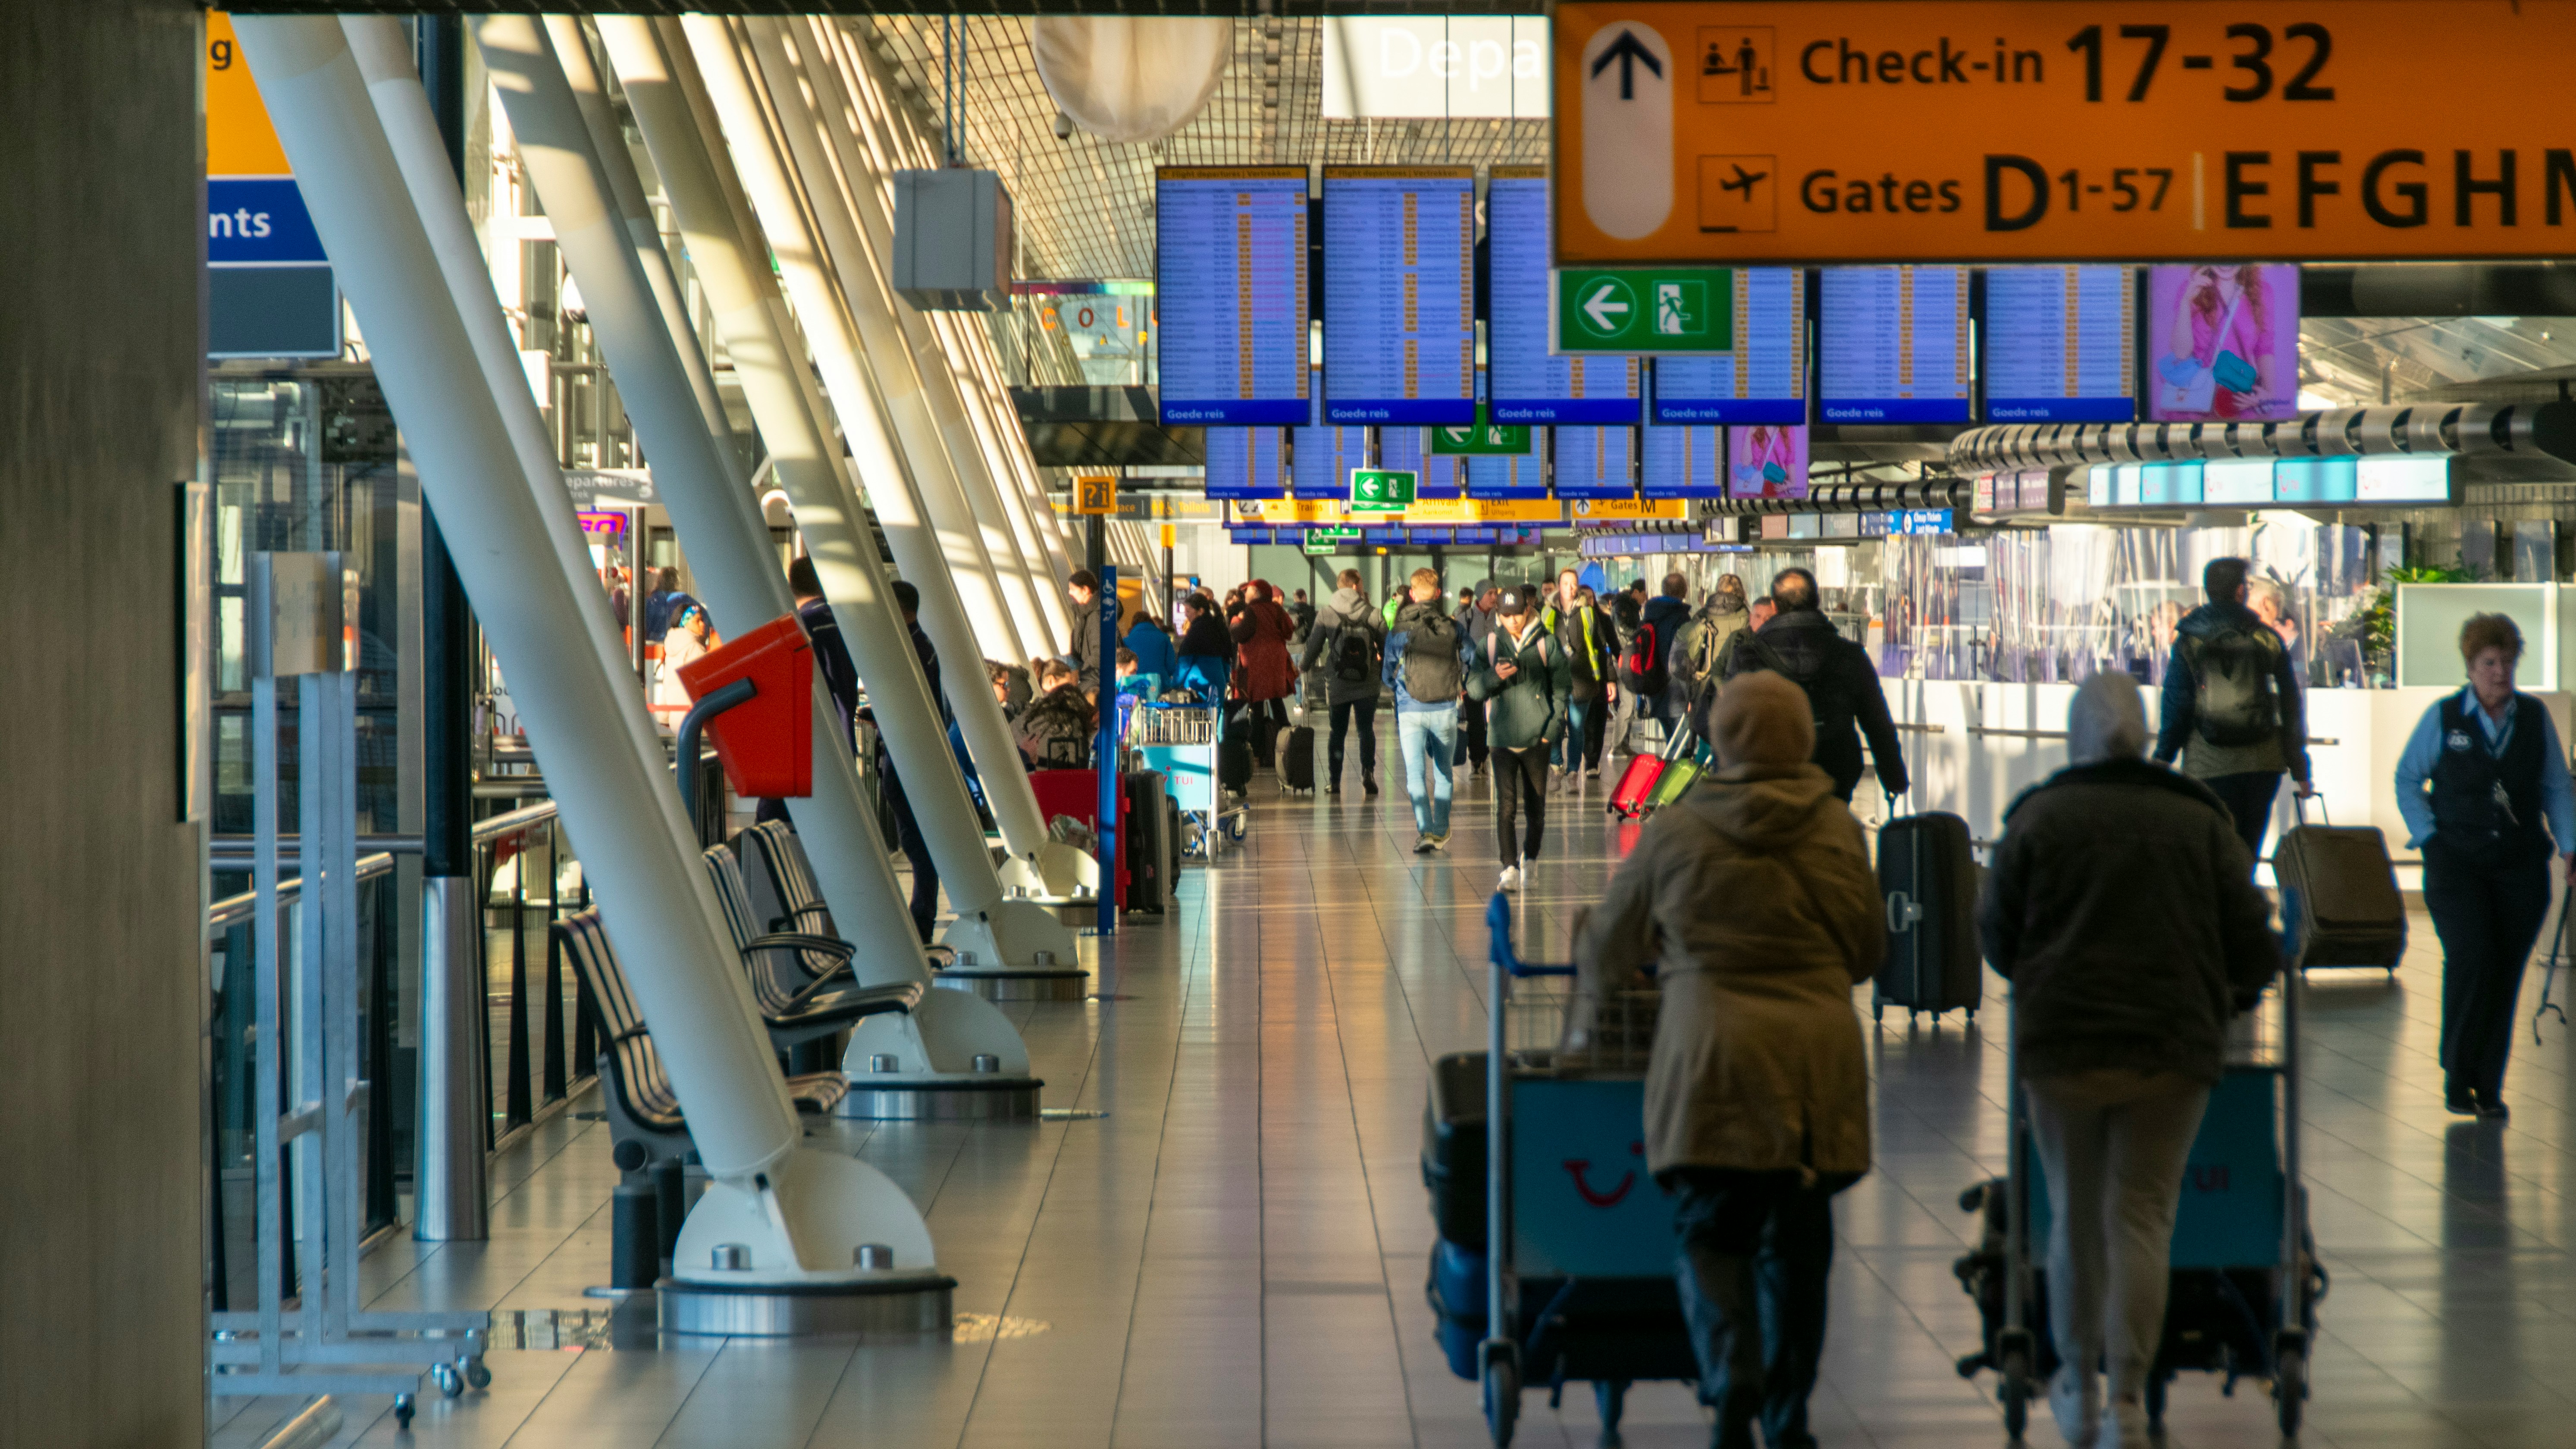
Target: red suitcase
[(1637, 782), (1077, 793)]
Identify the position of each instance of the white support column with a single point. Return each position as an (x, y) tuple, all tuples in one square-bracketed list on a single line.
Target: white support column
[(709, 499), (728, 251), (871, 421), (912, 378), (802, 1214)]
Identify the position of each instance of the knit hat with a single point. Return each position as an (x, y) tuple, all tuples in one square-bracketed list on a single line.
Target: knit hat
[(1762, 719), (2107, 721)]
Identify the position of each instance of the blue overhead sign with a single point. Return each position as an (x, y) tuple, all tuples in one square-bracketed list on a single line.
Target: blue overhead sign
[(259, 221)]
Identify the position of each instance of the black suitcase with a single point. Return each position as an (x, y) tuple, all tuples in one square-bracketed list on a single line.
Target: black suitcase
[(1297, 759), (1927, 874), (1234, 761), (2339, 895), (1149, 842)]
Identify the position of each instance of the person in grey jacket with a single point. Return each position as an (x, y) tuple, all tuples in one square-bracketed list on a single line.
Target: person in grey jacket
[(1521, 679), (1344, 648), (2122, 908)]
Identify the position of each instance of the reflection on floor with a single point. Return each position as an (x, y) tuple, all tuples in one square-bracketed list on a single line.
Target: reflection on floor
[(1234, 1254)]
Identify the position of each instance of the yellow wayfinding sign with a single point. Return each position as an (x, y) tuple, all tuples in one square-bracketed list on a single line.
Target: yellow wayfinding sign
[(2057, 130)]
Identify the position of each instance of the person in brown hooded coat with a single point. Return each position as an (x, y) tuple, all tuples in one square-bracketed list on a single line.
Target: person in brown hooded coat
[(1753, 901)]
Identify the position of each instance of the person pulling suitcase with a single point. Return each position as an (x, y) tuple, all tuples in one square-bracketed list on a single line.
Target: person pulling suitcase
[(2123, 909)]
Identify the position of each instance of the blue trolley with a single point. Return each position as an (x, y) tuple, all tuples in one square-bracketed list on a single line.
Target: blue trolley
[(1574, 1244)]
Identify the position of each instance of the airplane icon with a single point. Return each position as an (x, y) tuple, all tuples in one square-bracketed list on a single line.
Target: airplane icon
[(1736, 195), (1744, 180)]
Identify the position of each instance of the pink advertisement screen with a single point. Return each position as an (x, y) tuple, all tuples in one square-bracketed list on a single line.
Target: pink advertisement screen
[(2222, 343), (1766, 460)]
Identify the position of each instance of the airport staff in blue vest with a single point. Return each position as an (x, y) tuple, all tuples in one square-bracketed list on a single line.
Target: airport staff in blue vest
[(2483, 773)]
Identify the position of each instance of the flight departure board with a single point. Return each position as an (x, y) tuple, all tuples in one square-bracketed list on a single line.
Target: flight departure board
[(1764, 378), (1230, 283), (2060, 345), (1326, 454), (1408, 450), (1245, 463), (1399, 295), (1683, 462), (1593, 462), (1529, 385), (1508, 475), (1892, 345)]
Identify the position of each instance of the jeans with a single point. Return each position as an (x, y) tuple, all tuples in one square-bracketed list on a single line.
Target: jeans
[(1756, 1251), (2488, 915), (1566, 751), (1366, 712), (1426, 738), (1520, 783), (2114, 1143), (2248, 797)]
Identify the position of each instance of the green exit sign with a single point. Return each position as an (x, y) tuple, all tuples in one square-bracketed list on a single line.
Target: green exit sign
[(1682, 310), (1379, 490), (1486, 436)]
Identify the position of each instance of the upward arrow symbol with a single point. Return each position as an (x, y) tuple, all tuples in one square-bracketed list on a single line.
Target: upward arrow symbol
[(1628, 51)]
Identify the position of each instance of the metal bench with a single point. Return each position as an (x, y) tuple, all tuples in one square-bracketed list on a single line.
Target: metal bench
[(797, 1003), (780, 886), (648, 1135)]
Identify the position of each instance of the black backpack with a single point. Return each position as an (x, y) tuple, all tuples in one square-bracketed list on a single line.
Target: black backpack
[(1643, 668), (2233, 702), (1431, 671), (1351, 654)]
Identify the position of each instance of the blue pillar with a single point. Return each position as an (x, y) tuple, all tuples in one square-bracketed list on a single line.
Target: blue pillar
[(1104, 754)]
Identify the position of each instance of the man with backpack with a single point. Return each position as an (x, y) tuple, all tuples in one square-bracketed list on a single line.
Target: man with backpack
[(1426, 658), (1840, 682), (1584, 635), (1342, 650), (1647, 667), (2232, 708)]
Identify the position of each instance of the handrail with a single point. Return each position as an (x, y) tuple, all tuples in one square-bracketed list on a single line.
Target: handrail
[(234, 910)]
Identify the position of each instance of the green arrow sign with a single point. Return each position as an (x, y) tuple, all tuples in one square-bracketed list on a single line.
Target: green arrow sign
[(1377, 490), (1645, 310), (1485, 437)]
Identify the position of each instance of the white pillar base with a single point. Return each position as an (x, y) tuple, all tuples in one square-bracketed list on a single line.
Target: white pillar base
[(802, 1220), (1067, 871), (1020, 875), (939, 1039), (1012, 935)]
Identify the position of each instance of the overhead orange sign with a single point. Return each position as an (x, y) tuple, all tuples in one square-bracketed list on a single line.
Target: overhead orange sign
[(1700, 131), (239, 139)]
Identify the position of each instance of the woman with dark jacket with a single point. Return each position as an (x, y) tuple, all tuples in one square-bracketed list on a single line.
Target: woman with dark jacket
[(1204, 658), (1751, 898), (2122, 908), (1343, 649), (1263, 674)]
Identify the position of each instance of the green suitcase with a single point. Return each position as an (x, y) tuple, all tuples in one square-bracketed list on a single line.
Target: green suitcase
[(1678, 777)]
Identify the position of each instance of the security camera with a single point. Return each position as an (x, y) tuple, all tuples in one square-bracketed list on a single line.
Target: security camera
[(1063, 126)]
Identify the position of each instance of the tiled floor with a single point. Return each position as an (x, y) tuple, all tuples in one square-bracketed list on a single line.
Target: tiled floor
[(1234, 1255)]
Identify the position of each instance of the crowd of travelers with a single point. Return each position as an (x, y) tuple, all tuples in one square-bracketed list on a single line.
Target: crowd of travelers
[(2120, 899)]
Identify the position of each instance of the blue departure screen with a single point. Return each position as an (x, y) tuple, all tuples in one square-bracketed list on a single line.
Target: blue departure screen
[(1399, 295), (2060, 345), (1326, 455), (1764, 378), (1407, 450), (1529, 385), (1683, 463), (1593, 462), (1508, 475), (1230, 279), (1892, 345), (1245, 463)]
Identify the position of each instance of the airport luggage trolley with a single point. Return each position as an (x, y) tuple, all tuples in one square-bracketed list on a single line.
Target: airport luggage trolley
[(1181, 741), (1577, 1243), (2246, 1282)]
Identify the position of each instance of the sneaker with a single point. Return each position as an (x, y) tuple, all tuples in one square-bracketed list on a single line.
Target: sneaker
[(1368, 786), (1440, 841), (1425, 842), (2492, 1109), (1511, 880), (1334, 788), (2076, 1400), (2124, 1425), (2460, 1102)]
